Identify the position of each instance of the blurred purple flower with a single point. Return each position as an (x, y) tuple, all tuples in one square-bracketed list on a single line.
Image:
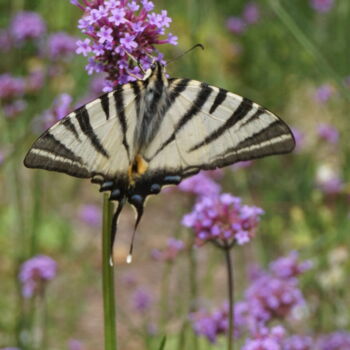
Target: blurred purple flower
[(335, 341), (211, 325), (96, 85), (324, 93), (2, 157), (10, 349), (62, 105), (299, 139), (322, 5), (91, 215), (271, 297), (142, 300), (27, 25), (328, 132), (266, 339), (236, 25), (251, 12), (119, 28), (35, 273), (224, 219), (75, 344), (299, 342), (173, 249), (328, 180), (289, 266), (14, 108), (129, 280), (200, 184), (11, 87), (61, 45)]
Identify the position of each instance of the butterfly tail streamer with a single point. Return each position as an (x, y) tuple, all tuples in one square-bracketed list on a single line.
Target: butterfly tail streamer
[(139, 213), (114, 226)]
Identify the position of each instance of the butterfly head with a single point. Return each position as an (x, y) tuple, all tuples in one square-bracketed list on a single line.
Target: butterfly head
[(155, 72)]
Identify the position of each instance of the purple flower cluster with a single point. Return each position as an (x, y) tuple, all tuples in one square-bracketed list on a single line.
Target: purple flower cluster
[(335, 341), (11, 92), (35, 273), (212, 325), (91, 215), (328, 133), (118, 29), (223, 219), (290, 266), (299, 139), (61, 45), (200, 184), (249, 16), (324, 93), (27, 25), (299, 342), (266, 339), (62, 105), (173, 249), (142, 300), (322, 5)]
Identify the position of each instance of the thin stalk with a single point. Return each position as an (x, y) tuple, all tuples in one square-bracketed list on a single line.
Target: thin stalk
[(108, 279), (231, 315)]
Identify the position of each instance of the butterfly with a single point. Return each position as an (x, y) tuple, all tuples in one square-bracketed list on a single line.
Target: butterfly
[(154, 132)]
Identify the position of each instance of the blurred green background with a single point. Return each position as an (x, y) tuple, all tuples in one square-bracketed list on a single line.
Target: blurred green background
[(294, 61)]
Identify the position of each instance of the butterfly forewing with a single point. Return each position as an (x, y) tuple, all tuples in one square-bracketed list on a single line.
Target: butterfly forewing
[(95, 139)]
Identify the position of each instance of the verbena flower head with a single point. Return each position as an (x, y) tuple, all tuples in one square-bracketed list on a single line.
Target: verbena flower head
[(213, 324), (35, 273), (299, 138), (62, 105), (289, 266), (223, 219), (322, 5), (324, 93), (75, 344), (236, 25), (266, 339), (27, 25), (173, 249), (11, 87), (118, 28), (335, 341), (251, 12), (200, 184), (142, 300), (328, 133), (271, 297), (299, 342), (61, 45)]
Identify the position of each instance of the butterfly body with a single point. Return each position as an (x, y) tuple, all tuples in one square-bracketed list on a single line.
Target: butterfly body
[(155, 132)]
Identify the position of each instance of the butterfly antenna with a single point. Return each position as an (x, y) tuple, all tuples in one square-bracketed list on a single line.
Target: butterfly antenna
[(139, 213), (114, 227), (186, 52)]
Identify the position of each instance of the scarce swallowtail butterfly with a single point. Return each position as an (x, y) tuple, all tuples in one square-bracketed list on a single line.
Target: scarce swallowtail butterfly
[(155, 132)]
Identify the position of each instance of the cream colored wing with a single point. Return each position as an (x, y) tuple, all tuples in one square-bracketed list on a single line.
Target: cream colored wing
[(96, 139), (205, 127)]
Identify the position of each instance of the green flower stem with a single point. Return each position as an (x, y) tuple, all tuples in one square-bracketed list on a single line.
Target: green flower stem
[(108, 278), (230, 340)]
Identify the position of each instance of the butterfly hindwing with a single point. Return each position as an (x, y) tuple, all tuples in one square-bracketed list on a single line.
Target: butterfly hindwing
[(96, 139)]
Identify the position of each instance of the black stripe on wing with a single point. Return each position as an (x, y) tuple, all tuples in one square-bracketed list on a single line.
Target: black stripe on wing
[(83, 118), (198, 103), (120, 108), (242, 110), (105, 104), (67, 123), (219, 99)]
